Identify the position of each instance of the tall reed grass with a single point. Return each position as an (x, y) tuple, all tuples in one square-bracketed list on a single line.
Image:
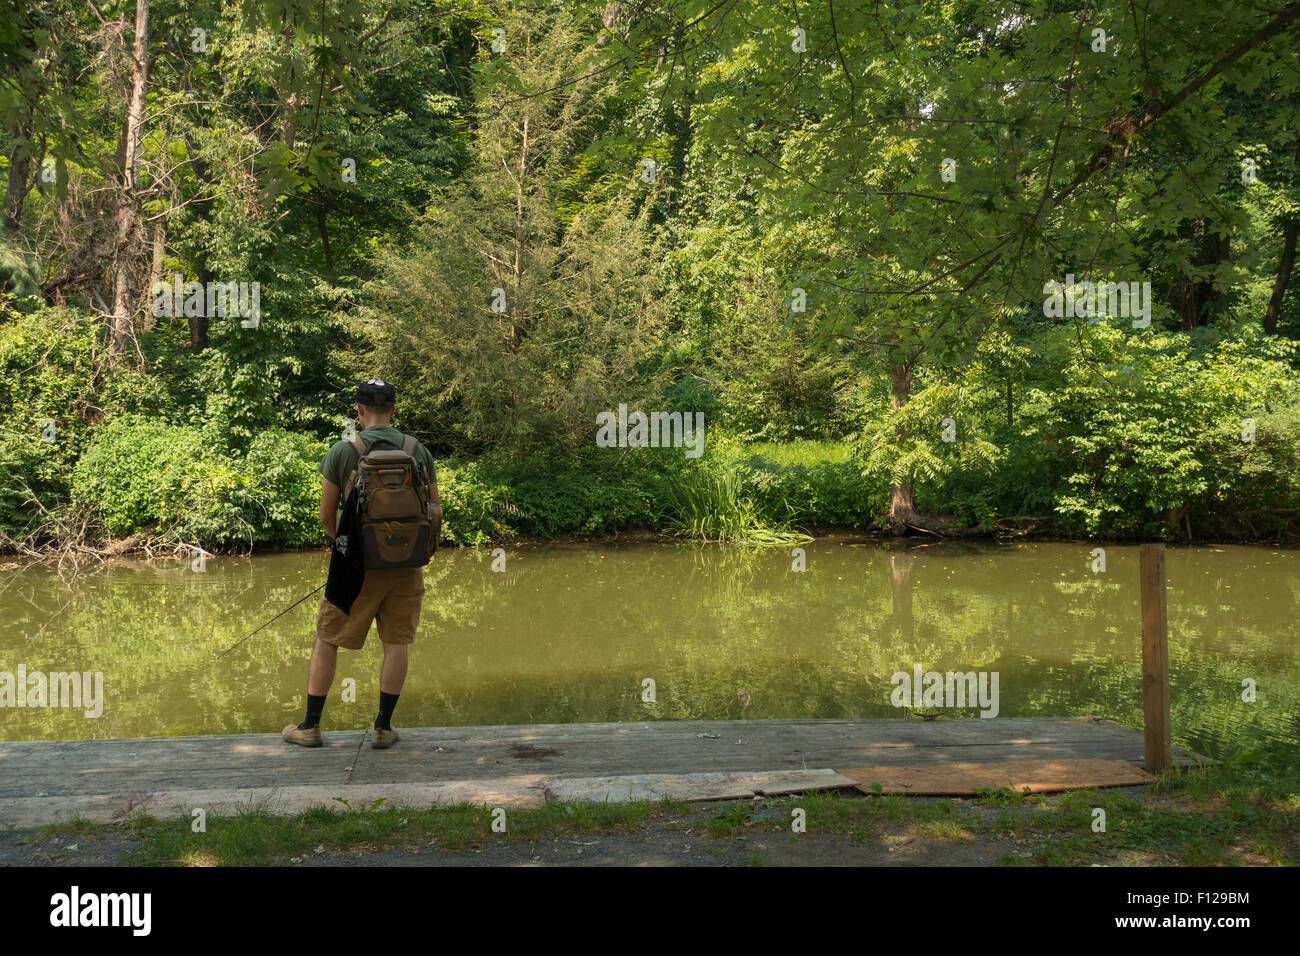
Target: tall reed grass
[(710, 503)]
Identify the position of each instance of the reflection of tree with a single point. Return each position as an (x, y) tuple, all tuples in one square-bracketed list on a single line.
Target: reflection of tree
[(900, 580)]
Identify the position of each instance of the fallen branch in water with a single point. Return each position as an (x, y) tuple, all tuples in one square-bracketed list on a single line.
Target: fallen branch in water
[(66, 535)]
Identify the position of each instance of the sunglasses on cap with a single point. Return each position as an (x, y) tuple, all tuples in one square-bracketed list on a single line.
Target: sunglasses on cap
[(376, 392)]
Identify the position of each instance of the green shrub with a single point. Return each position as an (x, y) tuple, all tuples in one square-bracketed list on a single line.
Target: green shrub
[(49, 389), (483, 500), (283, 466), (468, 498), (1157, 433), (587, 501), (810, 485), (1140, 436), (140, 474)]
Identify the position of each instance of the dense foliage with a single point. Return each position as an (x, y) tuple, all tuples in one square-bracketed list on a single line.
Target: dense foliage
[(830, 229)]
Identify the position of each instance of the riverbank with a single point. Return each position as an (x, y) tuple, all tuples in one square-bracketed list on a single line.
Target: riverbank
[(149, 487), (142, 546), (1229, 815)]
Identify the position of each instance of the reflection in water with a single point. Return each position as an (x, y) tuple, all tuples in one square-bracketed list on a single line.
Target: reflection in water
[(900, 579), (568, 633)]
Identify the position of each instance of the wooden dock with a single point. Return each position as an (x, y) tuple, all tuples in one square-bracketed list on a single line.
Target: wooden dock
[(519, 766)]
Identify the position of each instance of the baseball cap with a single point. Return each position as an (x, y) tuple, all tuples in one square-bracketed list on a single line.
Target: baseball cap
[(376, 392)]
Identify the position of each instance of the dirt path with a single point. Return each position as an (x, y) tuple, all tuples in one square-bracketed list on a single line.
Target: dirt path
[(680, 841)]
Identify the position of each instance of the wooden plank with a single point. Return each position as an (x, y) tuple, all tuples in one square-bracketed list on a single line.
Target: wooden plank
[(1157, 735), (558, 751), (518, 792), (884, 729), (515, 793), (152, 764), (694, 787), (593, 760), (742, 746), (192, 754), (1039, 776), (229, 749)]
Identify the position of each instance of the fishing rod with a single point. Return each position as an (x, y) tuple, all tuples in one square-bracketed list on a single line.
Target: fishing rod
[(276, 618)]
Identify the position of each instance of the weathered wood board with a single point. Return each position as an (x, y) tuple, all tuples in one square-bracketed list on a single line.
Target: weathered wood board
[(693, 787), (512, 793), (1038, 776)]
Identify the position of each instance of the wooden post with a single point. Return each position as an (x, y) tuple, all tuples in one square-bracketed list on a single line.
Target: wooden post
[(1155, 660)]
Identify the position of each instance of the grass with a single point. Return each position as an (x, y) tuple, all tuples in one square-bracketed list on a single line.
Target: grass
[(1203, 816), (708, 503), (729, 821), (951, 830), (1004, 797), (258, 837), (77, 826), (801, 452)]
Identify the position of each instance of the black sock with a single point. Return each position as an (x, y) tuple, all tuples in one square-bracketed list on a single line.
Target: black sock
[(315, 705), (386, 704)]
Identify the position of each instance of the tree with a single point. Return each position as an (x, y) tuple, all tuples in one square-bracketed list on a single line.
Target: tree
[(960, 156), (523, 305), (127, 216)]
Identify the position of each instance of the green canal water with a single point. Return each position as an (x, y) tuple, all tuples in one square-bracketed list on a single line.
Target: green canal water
[(572, 632)]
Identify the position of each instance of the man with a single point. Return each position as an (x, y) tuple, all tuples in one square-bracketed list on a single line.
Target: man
[(389, 596)]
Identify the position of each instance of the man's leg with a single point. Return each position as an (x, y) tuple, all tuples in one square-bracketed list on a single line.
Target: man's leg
[(393, 673), (391, 677), (320, 675), (334, 629), (397, 620)]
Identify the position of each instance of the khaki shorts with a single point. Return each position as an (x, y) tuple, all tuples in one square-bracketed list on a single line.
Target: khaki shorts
[(391, 597)]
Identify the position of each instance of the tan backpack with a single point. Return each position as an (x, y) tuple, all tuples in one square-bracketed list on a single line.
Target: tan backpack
[(399, 524)]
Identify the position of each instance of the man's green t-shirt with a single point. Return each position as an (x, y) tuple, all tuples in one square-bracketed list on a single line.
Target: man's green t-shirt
[(342, 458)]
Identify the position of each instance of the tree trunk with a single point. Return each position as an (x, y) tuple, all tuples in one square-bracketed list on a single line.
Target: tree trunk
[(902, 509), (156, 265), (682, 137), (324, 231), (127, 216), (517, 331), (289, 133), (1189, 303), (200, 324), (20, 159), (1212, 249), (1284, 268)]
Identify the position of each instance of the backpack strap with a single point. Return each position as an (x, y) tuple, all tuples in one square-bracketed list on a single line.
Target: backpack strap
[(409, 445), (361, 448)]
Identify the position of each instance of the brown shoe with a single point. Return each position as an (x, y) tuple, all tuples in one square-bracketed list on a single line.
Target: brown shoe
[(379, 739), (304, 738)]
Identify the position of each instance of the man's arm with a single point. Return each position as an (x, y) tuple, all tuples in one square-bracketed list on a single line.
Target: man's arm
[(329, 504)]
